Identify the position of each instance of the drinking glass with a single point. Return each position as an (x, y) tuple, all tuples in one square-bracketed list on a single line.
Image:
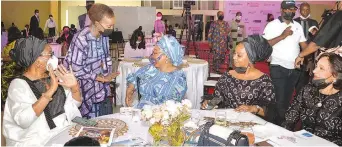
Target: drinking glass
[(196, 117), (220, 118)]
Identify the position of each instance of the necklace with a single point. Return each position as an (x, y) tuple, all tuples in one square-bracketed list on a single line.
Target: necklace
[(319, 104)]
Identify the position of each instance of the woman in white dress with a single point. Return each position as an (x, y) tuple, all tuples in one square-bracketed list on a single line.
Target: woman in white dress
[(39, 104)]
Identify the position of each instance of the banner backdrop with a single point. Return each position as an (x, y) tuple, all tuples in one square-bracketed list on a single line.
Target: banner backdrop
[(254, 13)]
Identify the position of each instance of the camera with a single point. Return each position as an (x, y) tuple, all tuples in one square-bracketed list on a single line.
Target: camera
[(187, 4)]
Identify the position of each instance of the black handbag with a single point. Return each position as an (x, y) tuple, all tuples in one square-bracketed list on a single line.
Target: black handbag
[(234, 139)]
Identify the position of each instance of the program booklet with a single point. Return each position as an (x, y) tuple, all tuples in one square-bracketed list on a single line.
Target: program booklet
[(103, 135)]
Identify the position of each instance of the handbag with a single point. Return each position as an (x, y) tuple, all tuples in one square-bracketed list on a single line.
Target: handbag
[(209, 138)]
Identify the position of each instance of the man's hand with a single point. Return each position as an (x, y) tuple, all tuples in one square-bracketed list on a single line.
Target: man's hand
[(299, 61), (287, 32)]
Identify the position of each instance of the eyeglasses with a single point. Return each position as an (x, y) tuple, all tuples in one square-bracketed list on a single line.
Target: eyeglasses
[(47, 54)]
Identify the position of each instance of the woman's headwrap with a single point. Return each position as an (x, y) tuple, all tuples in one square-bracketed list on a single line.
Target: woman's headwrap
[(257, 48), (173, 50), (27, 50)]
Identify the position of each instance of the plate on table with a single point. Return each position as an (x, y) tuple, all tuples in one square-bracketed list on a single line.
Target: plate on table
[(119, 125)]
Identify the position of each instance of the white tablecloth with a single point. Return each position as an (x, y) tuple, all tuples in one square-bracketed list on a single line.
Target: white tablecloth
[(196, 74), (139, 129), (57, 49), (130, 53)]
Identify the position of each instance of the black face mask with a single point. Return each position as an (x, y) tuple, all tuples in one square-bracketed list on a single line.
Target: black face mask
[(241, 70), (288, 15), (106, 32), (320, 83), (221, 17)]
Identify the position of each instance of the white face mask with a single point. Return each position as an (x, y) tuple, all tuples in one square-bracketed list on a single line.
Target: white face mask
[(302, 17), (53, 61), (37, 14), (159, 18), (138, 42), (238, 17)]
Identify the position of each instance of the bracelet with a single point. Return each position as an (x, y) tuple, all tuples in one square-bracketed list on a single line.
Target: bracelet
[(300, 56), (44, 96)]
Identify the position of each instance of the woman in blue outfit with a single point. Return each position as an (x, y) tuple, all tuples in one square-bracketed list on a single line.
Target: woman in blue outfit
[(161, 80)]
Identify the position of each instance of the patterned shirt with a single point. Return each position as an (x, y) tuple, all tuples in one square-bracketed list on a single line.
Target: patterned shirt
[(89, 57), (238, 32), (156, 87), (231, 92), (324, 121), (159, 27), (218, 35)]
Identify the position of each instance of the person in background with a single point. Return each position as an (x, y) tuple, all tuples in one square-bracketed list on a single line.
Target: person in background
[(159, 26), (318, 105), (73, 29), (83, 20), (38, 105), (51, 25), (308, 66), (176, 26), (237, 34), (13, 25), (218, 38), (199, 31), (34, 23), (136, 43), (65, 39), (3, 29), (25, 31), (166, 25), (13, 35), (286, 37), (161, 80), (207, 26), (40, 34), (270, 18), (171, 31), (89, 58), (246, 88)]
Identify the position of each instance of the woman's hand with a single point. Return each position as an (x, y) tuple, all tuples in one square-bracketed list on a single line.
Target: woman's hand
[(53, 83), (68, 78), (247, 108), (204, 104), (129, 94), (129, 101)]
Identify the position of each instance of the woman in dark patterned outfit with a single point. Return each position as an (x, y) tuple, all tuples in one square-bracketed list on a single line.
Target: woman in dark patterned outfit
[(319, 104), (246, 88)]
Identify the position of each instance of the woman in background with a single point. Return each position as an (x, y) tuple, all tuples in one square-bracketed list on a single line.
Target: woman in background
[(65, 38), (136, 45), (161, 80)]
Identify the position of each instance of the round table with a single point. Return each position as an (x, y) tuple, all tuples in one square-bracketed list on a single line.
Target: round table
[(57, 49), (196, 74), (139, 129)]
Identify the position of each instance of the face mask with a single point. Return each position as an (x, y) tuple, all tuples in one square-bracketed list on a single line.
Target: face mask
[(50, 17), (288, 15), (106, 32), (221, 17), (241, 70), (138, 42), (66, 32), (159, 17), (238, 17), (37, 14), (53, 61), (271, 19), (320, 83), (302, 17), (154, 61)]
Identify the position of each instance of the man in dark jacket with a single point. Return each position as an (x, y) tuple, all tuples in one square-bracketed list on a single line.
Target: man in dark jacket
[(34, 23), (83, 20), (308, 65)]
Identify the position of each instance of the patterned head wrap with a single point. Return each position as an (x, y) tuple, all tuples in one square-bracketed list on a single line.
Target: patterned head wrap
[(173, 50)]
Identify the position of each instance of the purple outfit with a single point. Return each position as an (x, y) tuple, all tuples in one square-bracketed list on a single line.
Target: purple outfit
[(159, 26), (89, 57)]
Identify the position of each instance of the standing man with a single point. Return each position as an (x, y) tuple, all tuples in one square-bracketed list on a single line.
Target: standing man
[(51, 24), (307, 23), (217, 38), (207, 27), (237, 34), (34, 23), (83, 20), (285, 35)]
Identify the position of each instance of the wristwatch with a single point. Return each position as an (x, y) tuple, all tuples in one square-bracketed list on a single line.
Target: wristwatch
[(258, 107)]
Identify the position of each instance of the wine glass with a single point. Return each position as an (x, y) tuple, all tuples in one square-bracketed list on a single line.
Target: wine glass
[(220, 118)]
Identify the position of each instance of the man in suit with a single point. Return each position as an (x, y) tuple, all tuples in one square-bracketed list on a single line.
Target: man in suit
[(34, 23), (83, 20), (307, 24)]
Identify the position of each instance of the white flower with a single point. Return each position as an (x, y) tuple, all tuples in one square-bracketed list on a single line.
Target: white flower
[(187, 103), (147, 113), (165, 123), (147, 107), (152, 120), (170, 103), (157, 116), (166, 115)]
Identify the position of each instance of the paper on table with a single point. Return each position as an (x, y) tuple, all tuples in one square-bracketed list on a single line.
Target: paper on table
[(299, 138), (103, 135), (244, 117)]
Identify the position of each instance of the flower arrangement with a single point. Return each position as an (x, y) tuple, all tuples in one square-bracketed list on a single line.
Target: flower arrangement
[(166, 121)]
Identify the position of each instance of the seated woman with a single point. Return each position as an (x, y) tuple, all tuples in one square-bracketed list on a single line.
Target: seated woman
[(246, 88), (38, 105), (135, 46), (13, 34), (319, 104), (161, 80)]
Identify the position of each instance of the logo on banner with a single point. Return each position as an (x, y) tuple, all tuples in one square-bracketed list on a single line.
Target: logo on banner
[(265, 12), (233, 11), (253, 4), (257, 21), (251, 12), (269, 4), (235, 4)]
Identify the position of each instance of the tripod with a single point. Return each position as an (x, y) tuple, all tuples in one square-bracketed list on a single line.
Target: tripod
[(188, 24)]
